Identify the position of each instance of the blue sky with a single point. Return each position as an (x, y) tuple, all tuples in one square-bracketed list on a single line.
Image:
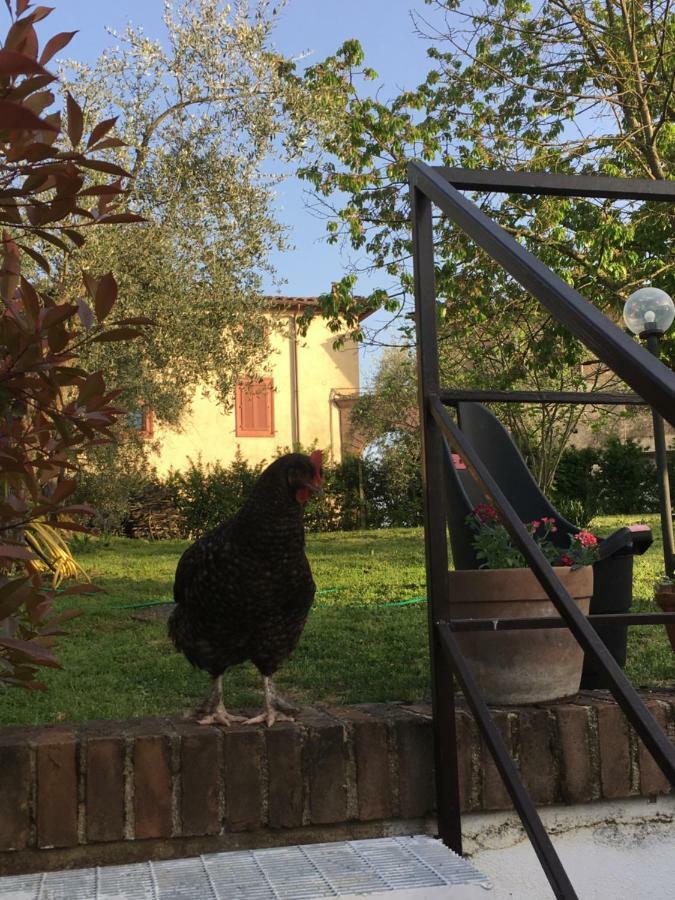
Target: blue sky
[(316, 27)]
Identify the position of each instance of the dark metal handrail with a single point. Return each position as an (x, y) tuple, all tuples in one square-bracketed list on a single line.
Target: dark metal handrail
[(541, 183), (648, 377), (589, 398), (652, 381)]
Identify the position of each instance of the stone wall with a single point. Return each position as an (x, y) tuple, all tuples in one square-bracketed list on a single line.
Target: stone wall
[(106, 792)]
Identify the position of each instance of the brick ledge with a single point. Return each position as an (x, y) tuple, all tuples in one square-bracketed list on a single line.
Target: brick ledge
[(104, 792)]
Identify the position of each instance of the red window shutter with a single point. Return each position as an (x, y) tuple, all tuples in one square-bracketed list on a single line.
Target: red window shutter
[(148, 423), (254, 408)]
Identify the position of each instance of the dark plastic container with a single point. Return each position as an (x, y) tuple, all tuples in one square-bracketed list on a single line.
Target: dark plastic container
[(613, 573), (612, 593)]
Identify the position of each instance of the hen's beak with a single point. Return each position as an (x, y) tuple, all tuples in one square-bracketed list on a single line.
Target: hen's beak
[(316, 485), (315, 489)]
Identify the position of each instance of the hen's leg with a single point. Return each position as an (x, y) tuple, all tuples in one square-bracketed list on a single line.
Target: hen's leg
[(214, 709), (272, 711)]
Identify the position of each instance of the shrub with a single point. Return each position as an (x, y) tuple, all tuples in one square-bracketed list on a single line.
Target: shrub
[(617, 479), (348, 503), (206, 494), (577, 487), (113, 480), (628, 479), (394, 486), (51, 409)]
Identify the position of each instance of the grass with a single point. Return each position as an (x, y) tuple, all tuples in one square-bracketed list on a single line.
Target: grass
[(355, 647)]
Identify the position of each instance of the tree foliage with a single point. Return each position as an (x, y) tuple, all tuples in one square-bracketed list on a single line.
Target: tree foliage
[(389, 407), (386, 415), (51, 408), (203, 113), (568, 87)]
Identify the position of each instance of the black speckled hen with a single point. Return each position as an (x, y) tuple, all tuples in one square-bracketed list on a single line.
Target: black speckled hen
[(244, 589)]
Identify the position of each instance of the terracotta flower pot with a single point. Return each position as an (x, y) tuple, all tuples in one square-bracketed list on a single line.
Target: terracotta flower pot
[(515, 667), (665, 599)]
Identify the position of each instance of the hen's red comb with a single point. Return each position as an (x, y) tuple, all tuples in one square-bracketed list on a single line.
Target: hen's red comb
[(317, 457)]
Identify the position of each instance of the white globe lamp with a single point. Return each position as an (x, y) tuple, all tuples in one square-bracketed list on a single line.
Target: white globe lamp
[(649, 310)]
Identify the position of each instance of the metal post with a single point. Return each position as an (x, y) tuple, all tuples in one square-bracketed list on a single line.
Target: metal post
[(436, 548), (661, 453)]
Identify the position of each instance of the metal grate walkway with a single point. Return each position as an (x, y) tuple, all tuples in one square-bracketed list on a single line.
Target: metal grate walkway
[(344, 869)]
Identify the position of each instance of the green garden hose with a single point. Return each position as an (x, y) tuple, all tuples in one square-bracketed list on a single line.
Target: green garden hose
[(409, 602)]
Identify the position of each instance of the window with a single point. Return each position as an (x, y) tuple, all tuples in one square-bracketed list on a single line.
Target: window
[(254, 409), (142, 421)]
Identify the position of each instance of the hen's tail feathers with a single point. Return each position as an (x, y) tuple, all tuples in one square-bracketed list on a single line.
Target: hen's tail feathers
[(174, 629)]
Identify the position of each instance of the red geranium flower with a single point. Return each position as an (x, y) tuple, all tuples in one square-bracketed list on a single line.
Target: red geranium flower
[(486, 514), (586, 539)]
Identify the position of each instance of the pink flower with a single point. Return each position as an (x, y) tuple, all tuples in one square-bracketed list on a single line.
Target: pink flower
[(565, 560), (586, 539)]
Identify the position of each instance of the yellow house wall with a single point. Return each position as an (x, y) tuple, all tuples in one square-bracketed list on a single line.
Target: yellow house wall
[(210, 432)]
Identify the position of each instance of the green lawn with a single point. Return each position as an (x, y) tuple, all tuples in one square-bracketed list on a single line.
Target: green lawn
[(355, 647)]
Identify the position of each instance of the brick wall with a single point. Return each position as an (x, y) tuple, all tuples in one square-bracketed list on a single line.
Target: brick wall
[(121, 791)]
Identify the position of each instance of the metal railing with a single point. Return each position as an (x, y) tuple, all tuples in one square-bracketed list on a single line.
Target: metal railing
[(652, 382)]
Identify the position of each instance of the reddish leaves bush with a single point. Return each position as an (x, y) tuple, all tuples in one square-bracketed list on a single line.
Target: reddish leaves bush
[(53, 186)]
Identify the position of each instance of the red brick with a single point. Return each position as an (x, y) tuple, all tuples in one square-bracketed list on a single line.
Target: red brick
[(652, 779), (373, 774), (668, 701), (494, 794), (15, 791), (614, 749), (152, 786), (56, 789), (285, 776), (537, 764), (578, 783), (324, 762), (105, 788), (201, 782), (369, 738), (414, 737), (242, 757)]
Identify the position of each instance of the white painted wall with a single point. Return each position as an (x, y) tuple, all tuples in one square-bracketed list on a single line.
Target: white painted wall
[(623, 850)]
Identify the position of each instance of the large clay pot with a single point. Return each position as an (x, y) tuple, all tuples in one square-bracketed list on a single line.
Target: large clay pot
[(515, 667), (665, 599)]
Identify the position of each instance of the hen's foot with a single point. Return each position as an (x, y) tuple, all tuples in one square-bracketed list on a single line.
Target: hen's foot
[(220, 716), (276, 707), (269, 717)]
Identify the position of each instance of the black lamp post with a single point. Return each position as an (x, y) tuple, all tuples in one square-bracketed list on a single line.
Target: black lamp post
[(649, 313)]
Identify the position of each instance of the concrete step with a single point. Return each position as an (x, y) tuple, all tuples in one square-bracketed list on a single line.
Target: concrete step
[(400, 868)]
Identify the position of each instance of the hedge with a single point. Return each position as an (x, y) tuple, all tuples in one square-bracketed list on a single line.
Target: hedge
[(385, 491)]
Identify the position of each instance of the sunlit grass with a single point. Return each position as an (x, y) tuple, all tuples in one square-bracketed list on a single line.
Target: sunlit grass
[(356, 646)]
